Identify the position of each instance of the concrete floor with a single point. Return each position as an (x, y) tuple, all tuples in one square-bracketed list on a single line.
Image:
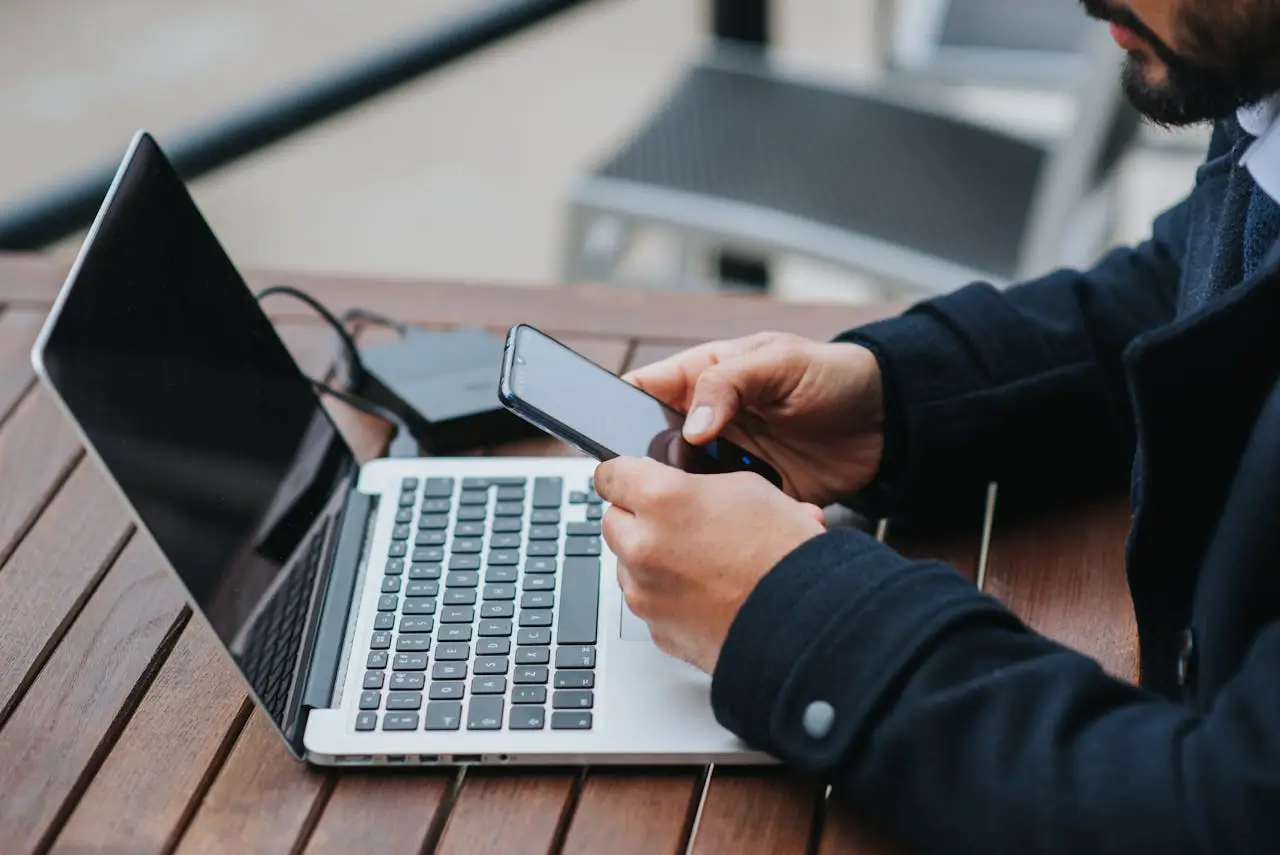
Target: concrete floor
[(461, 175)]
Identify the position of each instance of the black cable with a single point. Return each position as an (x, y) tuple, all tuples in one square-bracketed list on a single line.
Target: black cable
[(403, 444), (370, 317)]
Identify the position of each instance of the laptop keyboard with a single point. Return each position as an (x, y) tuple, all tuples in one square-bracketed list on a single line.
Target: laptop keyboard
[(488, 612)]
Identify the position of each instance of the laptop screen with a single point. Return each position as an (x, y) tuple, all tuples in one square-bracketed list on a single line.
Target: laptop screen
[(191, 401)]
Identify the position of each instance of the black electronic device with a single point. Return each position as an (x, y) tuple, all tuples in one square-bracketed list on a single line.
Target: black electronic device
[(441, 384), (594, 410)]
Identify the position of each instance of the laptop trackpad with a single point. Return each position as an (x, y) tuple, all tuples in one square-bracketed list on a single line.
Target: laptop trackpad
[(631, 628)]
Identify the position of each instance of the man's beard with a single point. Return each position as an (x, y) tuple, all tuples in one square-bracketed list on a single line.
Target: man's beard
[(1190, 92)]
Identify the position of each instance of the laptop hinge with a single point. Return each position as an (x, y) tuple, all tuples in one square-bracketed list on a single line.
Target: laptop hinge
[(329, 634)]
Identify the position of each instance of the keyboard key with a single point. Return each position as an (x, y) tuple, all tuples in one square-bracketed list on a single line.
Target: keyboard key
[(593, 498), (454, 632), (577, 497), (380, 641), (408, 681), (545, 516), (589, 528), (429, 540), (508, 509), (573, 699), (507, 525), (538, 583), (408, 483), (484, 483), (527, 718), (395, 566), (570, 720), (404, 515), (533, 655), (428, 554), (575, 657), (413, 643), (484, 713), (548, 492), (449, 671), (400, 721), (447, 691), (400, 532), (436, 506), (384, 620), (417, 624), (377, 659), (444, 715), (474, 497), (535, 618), (594, 512), (490, 665), (511, 494), (438, 488), (582, 546), (419, 606), (409, 662), (575, 680), (432, 522), (498, 610), (419, 588), (424, 571), (453, 651), (504, 558), (366, 721), (498, 627), (540, 565), (466, 546), (462, 579), (390, 584), (493, 647), (499, 592), (473, 513), (404, 701), (543, 549), (544, 532), (398, 549), (532, 636), (460, 597), (373, 679), (457, 614), (537, 600), (488, 685), (407, 499), (501, 574), (579, 601), (504, 541), (464, 562), (469, 529), (529, 695), (530, 674)]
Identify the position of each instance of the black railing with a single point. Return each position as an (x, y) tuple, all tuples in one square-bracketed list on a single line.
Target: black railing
[(62, 211)]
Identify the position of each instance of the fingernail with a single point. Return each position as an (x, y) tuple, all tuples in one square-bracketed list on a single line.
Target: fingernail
[(698, 421)]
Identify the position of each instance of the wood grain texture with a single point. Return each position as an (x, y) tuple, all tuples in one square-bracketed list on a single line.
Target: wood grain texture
[(163, 756), (633, 813), (262, 801), (37, 451), (763, 811), (1062, 571), (54, 737), (18, 330), (509, 812), (50, 576), (847, 833), (380, 814)]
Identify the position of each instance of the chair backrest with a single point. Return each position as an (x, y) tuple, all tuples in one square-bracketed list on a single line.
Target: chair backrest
[(1083, 159)]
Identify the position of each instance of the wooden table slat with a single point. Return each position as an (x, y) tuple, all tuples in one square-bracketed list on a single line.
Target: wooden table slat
[(18, 330), (52, 574), (625, 813), (756, 810), (68, 718), (381, 814), (512, 813), (164, 755)]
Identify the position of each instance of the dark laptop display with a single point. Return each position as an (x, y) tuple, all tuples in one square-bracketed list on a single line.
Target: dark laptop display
[(186, 392)]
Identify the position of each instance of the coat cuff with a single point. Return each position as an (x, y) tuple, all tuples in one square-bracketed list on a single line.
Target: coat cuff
[(839, 620)]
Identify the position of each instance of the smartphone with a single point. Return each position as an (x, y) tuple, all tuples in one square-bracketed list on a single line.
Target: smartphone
[(573, 399)]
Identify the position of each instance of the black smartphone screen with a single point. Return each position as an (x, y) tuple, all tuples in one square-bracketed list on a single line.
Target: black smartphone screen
[(584, 403)]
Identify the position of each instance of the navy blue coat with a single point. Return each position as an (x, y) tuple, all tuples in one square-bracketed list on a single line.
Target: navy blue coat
[(958, 729)]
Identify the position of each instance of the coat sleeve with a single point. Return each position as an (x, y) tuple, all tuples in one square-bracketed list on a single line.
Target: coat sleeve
[(1020, 384), (959, 730)]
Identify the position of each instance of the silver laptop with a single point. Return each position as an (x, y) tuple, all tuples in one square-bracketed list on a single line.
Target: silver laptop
[(408, 611)]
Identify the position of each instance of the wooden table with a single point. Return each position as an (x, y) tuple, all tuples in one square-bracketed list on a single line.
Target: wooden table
[(122, 730)]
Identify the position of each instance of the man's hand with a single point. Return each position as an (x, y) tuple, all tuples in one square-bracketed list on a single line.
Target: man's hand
[(813, 410), (691, 548)]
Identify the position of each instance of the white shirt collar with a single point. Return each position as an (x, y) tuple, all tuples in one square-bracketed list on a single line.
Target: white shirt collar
[(1262, 120)]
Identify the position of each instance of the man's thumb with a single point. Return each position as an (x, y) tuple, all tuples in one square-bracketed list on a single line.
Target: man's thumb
[(720, 393)]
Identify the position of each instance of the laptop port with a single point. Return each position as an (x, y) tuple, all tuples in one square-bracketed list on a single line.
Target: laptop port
[(428, 758), (466, 758), (397, 758)]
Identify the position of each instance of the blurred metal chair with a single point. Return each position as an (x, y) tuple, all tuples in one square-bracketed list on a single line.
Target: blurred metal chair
[(744, 159)]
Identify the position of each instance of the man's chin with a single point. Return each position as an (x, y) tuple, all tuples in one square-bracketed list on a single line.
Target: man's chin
[(1152, 93)]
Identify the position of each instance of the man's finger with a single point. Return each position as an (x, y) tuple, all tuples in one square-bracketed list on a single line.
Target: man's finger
[(672, 380), (722, 391), (816, 512), (627, 482)]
